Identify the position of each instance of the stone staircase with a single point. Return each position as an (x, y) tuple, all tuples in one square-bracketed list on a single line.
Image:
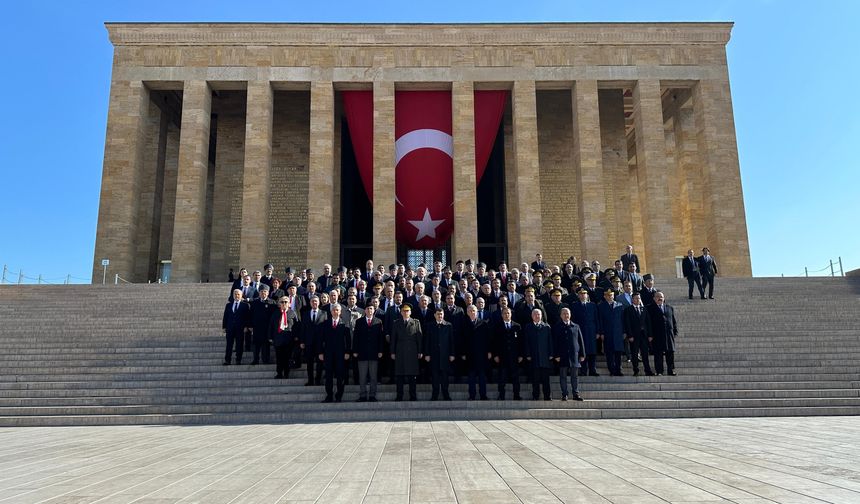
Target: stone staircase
[(151, 354)]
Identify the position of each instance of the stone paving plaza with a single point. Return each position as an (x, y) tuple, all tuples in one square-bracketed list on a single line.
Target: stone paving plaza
[(747, 461)]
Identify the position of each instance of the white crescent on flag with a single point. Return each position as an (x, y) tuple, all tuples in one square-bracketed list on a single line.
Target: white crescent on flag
[(423, 139)]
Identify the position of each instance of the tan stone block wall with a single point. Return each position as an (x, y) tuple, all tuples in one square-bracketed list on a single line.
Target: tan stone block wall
[(288, 183), (559, 190), (227, 191)]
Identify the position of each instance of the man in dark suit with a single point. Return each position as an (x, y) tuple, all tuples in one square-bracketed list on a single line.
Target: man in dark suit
[(648, 289), (664, 330), (236, 319), (283, 327), (637, 330), (538, 264), (475, 344), (439, 353), (628, 258), (237, 283), (569, 351), (324, 281), (523, 309), (554, 307), (262, 309), (632, 275), (406, 351), (312, 320), (367, 347), (508, 348), (708, 269), (513, 296), (334, 352), (539, 353), (690, 267)]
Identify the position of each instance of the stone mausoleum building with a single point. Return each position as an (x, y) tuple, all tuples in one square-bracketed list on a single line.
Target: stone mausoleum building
[(228, 145)]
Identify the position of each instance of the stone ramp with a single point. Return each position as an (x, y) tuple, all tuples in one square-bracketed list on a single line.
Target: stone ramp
[(151, 354)]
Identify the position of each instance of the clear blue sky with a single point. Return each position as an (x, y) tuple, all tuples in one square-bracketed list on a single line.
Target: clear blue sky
[(793, 70)]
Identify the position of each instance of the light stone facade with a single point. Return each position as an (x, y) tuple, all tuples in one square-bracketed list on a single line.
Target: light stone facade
[(614, 133)]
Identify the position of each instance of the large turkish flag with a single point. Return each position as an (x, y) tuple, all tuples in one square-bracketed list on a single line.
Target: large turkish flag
[(424, 185)]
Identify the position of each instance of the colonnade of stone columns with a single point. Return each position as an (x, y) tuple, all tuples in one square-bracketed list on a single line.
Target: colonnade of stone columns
[(709, 126)]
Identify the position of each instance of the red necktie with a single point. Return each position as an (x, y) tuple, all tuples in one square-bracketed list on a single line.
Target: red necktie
[(334, 324)]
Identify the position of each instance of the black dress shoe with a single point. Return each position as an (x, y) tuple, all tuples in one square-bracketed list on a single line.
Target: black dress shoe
[(225, 363), (710, 297), (309, 384), (564, 398), (672, 373), (254, 363), (593, 374), (518, 398), (649, 374), (446, 398), (485, 398), (372, 399), (337, 399), (279, 377), (361, 399), (328, 400), (434, 398), (413, 398), (547, 398), (398, 399), (577, 397), (619, 374), (238, 363), (500, 398), (635, 373)]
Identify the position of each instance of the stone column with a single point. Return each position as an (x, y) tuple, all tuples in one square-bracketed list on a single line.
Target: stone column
[(588, 162), (128, 113), (530, 234), (321, 176), (718, 153), (690, 170), (384, 241), (253, 245), (653, 175), (465, 240), (188, 221)]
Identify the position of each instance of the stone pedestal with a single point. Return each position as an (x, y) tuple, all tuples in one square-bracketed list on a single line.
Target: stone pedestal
[(384, 243), (321, 177), (588, 161), (529, 233)]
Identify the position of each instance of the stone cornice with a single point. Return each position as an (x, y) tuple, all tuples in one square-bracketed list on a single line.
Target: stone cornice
[(352, 35)]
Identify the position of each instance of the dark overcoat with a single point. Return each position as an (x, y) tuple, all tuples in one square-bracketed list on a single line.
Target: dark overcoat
[(439, 344), (368, 341), (567, 344), (261, 314), (475, 338), (539, 344), (334, 342), (664, 328), (406, 343), (611, 324), (585, 316)]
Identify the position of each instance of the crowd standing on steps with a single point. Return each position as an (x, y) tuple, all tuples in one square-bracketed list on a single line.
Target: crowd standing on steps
[(466, 323)]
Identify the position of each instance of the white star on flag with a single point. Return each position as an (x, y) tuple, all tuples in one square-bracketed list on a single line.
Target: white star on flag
[(426, 226)]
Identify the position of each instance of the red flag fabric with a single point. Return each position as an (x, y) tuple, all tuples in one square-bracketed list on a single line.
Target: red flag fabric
[(423, 158), (424, 185), (358, 108), (489, 107)]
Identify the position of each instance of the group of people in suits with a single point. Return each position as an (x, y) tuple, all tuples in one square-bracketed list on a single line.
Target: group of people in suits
[(466, 323)]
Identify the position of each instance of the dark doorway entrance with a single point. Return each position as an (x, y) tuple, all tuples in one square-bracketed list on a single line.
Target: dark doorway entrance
[(492, 233)]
